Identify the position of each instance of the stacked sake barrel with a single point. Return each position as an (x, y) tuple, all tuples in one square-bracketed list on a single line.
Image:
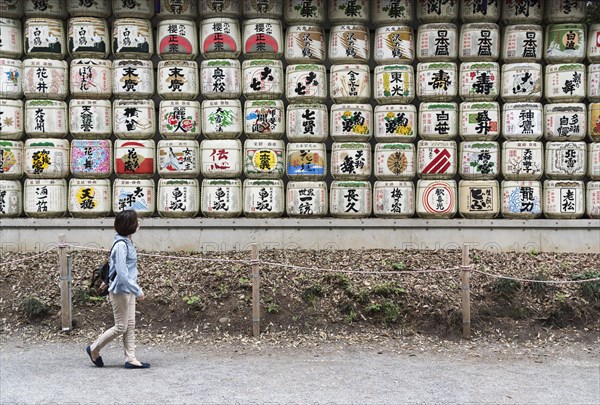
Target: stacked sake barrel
[(593, 127), (395, 119), (351, 116), (307, 123)]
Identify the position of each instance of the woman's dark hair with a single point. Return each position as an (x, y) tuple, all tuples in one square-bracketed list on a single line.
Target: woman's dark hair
[(126, 222)]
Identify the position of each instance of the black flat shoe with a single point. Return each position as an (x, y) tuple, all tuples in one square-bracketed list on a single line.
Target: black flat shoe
[(143, 365), (98, 362)]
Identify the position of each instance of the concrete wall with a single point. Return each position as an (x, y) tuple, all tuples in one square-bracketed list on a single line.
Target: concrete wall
[(203, 234)]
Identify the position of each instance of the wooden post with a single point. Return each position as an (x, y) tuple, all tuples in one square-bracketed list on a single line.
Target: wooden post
[(65, 285), (255, 293), (465, 276)]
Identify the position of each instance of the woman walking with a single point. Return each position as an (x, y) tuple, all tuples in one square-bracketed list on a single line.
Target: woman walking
[(123, 292)]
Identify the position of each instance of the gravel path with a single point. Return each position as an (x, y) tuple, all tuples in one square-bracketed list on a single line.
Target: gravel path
[(391, 372)]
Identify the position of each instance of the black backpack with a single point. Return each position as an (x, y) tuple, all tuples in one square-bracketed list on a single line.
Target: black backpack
[(100, 277)]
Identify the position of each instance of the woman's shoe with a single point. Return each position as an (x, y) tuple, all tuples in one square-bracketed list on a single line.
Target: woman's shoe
[(142, 365), (98, 362)]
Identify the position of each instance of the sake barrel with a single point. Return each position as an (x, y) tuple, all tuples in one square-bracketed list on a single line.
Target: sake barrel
[(90, 118), (177, 39), (305, 44), (220, 38), (138, 195), (350, 199), (394, 84), (91, 78), (307, 199), (222, 119), (436, 159), (263, 9), (306, 161), (392, 12), (593, 44), (349, 11), (565, 122), (478, 199), (437, 42), (89, 198), (11, 78), (12, 37), (134, 159), (178, 198), (521, 82), (11, 198), (45, 198), (565, 83), (133, 79), (521, 199), (566, 160), (46, 8), (263, 198), (522, 12), (594, 122), (522, 43), (178, 80), (522, 160), (593, 199), (564, 11), (264, 119), (394, 44), (91, 158), (11, 8), (46, 118), (132, 38), (11, 123), (307, 123), (593, 82), (219, 8), (11, 160), (479, 81), (221, 78), (89, 8), (436, 198), (134, 119), (565, 43), (437, 81), (480, 11), (479, 121), (395, 123), (263, 79), (436, 11), (88, 37), (304, 12), (178, 158), (262, 38), (350, 83), (522, 121), (306, 83), (395, 161), (351, 160), (44, 38), (221, 158), (45, 79), (479, 160), (593, 161), (438, 121), (133, 9), (349, 43), (563, 199), (179, 9), (351, 122), (46, 158), (394, 199), (179, 119), (264, 158), (479, 42), (221, 198)]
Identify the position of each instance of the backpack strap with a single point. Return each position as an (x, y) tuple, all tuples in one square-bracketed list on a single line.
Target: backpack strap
[(114, 274)]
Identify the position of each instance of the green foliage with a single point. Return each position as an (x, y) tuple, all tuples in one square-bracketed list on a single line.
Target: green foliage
[(591, 289), (388, 310), (245, 282), (194, 302), (399, 266), (339, 280), (541, 287), (505, 286), (312, 293), (387, 290), (34, 308)]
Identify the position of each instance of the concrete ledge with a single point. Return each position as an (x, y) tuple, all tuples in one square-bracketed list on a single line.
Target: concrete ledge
[(209, 234)]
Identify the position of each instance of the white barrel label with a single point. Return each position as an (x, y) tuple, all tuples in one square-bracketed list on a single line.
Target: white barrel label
[(438, 197)]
